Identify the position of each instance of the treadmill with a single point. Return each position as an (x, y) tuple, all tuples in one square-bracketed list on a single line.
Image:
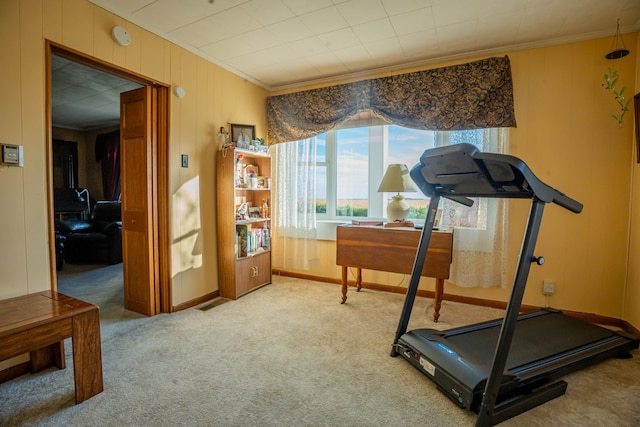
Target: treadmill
[(501, 368)]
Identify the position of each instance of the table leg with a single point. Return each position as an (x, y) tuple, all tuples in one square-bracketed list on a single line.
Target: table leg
[(51, 355), (358, 279), (87, 355), (438, 299), (344, 284)]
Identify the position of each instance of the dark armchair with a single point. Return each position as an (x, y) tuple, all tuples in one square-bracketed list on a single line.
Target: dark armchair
[(98, 240)]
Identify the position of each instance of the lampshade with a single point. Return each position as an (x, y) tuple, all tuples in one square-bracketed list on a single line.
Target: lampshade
[(397, 179)]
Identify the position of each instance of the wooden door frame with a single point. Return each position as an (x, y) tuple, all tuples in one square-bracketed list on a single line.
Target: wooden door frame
[(163, 297)]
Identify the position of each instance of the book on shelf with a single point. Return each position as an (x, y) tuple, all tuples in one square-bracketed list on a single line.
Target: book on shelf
[(242, 232), (251, 240), (369, 222)]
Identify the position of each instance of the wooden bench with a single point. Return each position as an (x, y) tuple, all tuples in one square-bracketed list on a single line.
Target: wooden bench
[(39, 323)]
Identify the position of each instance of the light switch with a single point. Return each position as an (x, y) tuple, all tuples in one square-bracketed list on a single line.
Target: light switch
[(185, 161)]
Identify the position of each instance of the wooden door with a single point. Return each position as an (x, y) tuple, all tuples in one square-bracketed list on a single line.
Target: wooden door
[(139, 248)]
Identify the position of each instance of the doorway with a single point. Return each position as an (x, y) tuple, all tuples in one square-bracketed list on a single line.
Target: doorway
[(158, 287)]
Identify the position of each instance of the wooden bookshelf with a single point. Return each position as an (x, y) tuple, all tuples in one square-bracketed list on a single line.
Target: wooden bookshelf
[(244, 239)]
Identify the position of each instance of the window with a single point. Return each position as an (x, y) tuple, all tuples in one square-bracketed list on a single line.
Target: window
[(350, 164)]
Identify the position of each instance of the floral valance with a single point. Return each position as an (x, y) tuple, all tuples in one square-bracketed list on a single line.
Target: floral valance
[(475, 95)]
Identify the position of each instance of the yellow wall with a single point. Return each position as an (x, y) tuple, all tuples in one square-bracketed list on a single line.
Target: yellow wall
[(214, 97), (632, 296), (566, 135)]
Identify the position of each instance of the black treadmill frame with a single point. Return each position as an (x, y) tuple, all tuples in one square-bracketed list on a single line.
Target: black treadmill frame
[(472, 176)]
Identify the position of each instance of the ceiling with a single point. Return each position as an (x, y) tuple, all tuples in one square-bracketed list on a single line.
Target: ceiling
[(84, 98), (284, 43), (281, 44)]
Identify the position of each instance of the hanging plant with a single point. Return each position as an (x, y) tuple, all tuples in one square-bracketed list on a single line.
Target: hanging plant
[(610, 81)]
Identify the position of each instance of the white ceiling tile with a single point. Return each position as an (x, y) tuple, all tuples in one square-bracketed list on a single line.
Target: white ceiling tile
[(217, 27), (300, 7), (125, 6), (267, 13), (324, 20), (447, 12), (339, 39), (413, 22), (307, 47), (538, 20), (297, 67), (598, 11), (290, 30), (270, 73), (374, 30), (327, 63), (422, 44), (322, 58), (389, 49), (497, 30), (259, 39), (247, 62), (306, 74), (458, 37), (493, 7), (355, 58), (227, 49), (280, 54), (358, 11), (396, 7), (168, 15)]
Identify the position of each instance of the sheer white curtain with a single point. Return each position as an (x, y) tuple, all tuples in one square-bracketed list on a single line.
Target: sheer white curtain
[(294, 214), (480, 251)]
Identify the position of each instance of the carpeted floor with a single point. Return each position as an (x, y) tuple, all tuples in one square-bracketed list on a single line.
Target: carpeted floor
[(288, 354)]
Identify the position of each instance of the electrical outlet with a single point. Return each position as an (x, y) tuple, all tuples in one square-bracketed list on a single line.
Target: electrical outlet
[(548, 288)]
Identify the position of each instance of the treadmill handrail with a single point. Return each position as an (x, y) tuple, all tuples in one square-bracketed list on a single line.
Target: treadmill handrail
[(541, 190)]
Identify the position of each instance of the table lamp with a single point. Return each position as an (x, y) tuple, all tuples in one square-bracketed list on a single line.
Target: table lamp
[(397, 179)]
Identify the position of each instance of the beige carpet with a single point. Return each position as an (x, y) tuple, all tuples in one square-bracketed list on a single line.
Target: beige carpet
[(288, 354)]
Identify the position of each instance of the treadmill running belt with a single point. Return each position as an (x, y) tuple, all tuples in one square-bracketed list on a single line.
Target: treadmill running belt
[(546, 345), (535, 338)]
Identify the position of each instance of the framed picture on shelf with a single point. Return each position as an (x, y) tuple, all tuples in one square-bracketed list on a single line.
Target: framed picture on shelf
[(252, 170), (254, 212), (242, 135), (262, 182)]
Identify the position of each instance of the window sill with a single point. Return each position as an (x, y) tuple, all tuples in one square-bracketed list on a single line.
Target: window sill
[(327, 228)]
